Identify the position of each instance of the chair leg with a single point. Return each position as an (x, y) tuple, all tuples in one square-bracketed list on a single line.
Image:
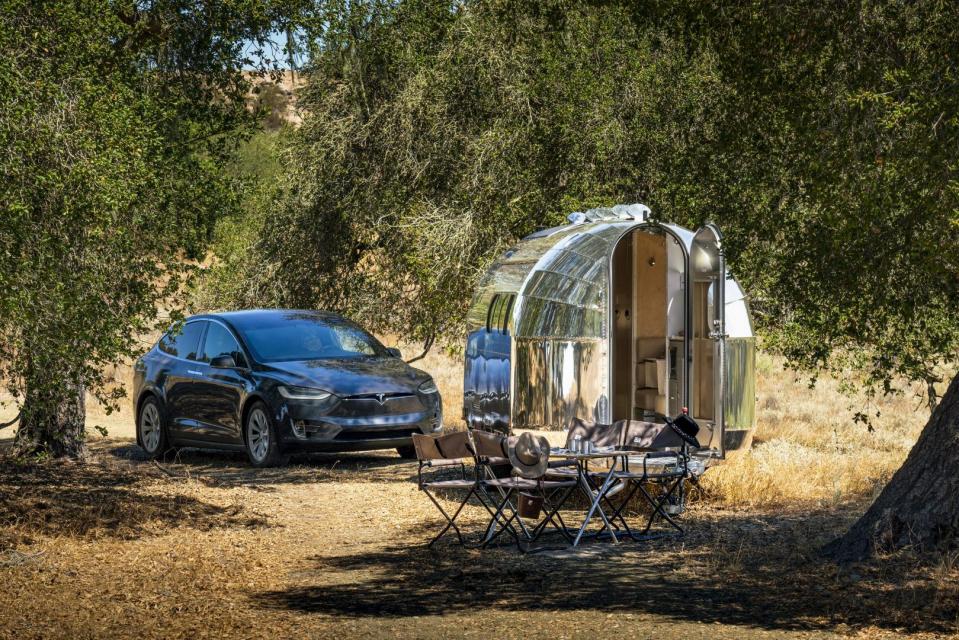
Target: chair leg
[(553, 516), (498, 516), (618, 511), (610, 505), (658, 509), (506, 525), (512, 509), (450, 521)]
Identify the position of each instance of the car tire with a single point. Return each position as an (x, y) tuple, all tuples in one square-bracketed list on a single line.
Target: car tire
[(407, 452), (259, 435), (151, 430)]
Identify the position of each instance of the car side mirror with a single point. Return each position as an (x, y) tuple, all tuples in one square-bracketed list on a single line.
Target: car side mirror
[(223, 362), (393, 351)]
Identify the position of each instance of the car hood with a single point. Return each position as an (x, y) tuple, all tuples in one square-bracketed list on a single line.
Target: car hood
[(353, 376)]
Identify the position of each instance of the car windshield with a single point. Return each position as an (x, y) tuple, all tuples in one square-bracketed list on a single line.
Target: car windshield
[(304, 337)]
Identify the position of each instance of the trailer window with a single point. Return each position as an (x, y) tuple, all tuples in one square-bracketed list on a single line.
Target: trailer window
[(498, 315)]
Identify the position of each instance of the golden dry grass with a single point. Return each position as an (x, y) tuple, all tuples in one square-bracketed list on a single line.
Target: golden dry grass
[(334, 545), (808, 450)]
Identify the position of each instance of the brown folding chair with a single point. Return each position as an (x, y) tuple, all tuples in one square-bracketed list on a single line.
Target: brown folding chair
[(443, 452), (492, 454), (661, 463), (492, 459), (600, 434)]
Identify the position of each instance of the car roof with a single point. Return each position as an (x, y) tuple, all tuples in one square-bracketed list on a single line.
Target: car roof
[(248, 317), (254, 314)]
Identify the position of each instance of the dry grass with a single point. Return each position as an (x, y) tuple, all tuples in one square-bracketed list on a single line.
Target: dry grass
[(807, 449), (334, 546)]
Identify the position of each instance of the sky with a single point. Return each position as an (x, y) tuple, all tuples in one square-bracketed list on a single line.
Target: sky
[(272, 51)]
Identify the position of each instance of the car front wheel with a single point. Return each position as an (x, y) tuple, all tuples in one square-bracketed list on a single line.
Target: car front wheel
[(262, 445)]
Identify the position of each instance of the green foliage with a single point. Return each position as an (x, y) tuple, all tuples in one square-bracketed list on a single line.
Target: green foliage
[(115, 120), (235, 277), (822, 138), (435, 139)]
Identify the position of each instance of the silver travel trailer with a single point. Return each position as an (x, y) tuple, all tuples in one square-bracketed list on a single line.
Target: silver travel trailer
[(612, 317)]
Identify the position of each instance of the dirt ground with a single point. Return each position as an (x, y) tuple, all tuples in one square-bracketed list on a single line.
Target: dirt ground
[(204, 546)]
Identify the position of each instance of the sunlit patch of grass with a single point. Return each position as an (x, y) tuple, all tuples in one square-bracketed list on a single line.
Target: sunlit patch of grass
[(807, 448)]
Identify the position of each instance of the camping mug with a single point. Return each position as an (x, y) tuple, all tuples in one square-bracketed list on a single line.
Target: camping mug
[(576, 444)]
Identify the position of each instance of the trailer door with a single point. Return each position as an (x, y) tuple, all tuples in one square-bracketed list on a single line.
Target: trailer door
[(707, 391)]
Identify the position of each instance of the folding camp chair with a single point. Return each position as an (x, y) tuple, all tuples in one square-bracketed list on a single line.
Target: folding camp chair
[(491, 455), (445, 451), (662, 460), (492, 462), (553, 493)]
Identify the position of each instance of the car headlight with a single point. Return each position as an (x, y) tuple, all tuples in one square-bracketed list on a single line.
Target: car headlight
[(429, 387), (303, 393)]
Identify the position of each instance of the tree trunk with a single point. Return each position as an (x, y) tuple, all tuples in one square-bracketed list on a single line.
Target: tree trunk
[(52, 421), (920, 505)]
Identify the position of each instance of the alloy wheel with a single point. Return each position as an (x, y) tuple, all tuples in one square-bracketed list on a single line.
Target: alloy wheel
[(150, 427), (258, 435)]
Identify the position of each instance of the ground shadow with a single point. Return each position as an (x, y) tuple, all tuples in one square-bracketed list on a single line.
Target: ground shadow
[(99, 498), (736, 570), (230, 468)]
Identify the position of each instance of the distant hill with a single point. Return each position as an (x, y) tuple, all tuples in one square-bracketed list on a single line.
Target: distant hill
[(277, 94)]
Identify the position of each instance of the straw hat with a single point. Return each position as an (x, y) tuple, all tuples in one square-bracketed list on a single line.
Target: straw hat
[(529, 455)]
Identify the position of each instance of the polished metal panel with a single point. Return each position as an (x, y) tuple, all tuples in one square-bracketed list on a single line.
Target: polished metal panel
[(740, 383), (708, 267), (565, 294), (486, 379), (558, 380), (553, 363)]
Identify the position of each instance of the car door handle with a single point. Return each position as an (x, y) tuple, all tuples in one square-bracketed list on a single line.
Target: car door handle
[(195, 373)]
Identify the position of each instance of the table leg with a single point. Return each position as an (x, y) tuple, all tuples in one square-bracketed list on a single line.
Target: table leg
[(595, 506)]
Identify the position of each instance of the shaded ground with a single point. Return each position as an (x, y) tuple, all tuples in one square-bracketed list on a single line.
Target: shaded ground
[(203, 546)]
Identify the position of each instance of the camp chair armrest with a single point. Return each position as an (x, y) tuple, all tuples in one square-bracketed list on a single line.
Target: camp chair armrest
[(442, 462)]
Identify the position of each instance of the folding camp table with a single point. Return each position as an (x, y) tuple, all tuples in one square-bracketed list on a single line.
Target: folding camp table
[(598, 494)]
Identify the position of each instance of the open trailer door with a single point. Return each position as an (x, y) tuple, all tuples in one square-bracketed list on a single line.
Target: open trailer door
[(707, 390)]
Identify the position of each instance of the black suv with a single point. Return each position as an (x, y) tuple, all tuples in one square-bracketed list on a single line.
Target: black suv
[(271, 382)]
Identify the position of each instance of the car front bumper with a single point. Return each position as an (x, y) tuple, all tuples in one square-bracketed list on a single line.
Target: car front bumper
[(306, 429)]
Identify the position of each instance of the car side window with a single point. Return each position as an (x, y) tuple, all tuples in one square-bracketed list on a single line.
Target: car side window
[(182, 341), (220, 342)]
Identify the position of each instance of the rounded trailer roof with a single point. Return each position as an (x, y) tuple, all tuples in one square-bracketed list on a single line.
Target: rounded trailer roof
[(561, 277)]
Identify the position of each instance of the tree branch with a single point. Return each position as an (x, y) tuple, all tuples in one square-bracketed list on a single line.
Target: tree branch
[(427, 345)]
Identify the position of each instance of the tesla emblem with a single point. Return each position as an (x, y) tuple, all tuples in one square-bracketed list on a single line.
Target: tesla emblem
[(381, 398)]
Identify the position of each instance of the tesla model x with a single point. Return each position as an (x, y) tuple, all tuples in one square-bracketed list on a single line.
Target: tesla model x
[(274, 382)]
